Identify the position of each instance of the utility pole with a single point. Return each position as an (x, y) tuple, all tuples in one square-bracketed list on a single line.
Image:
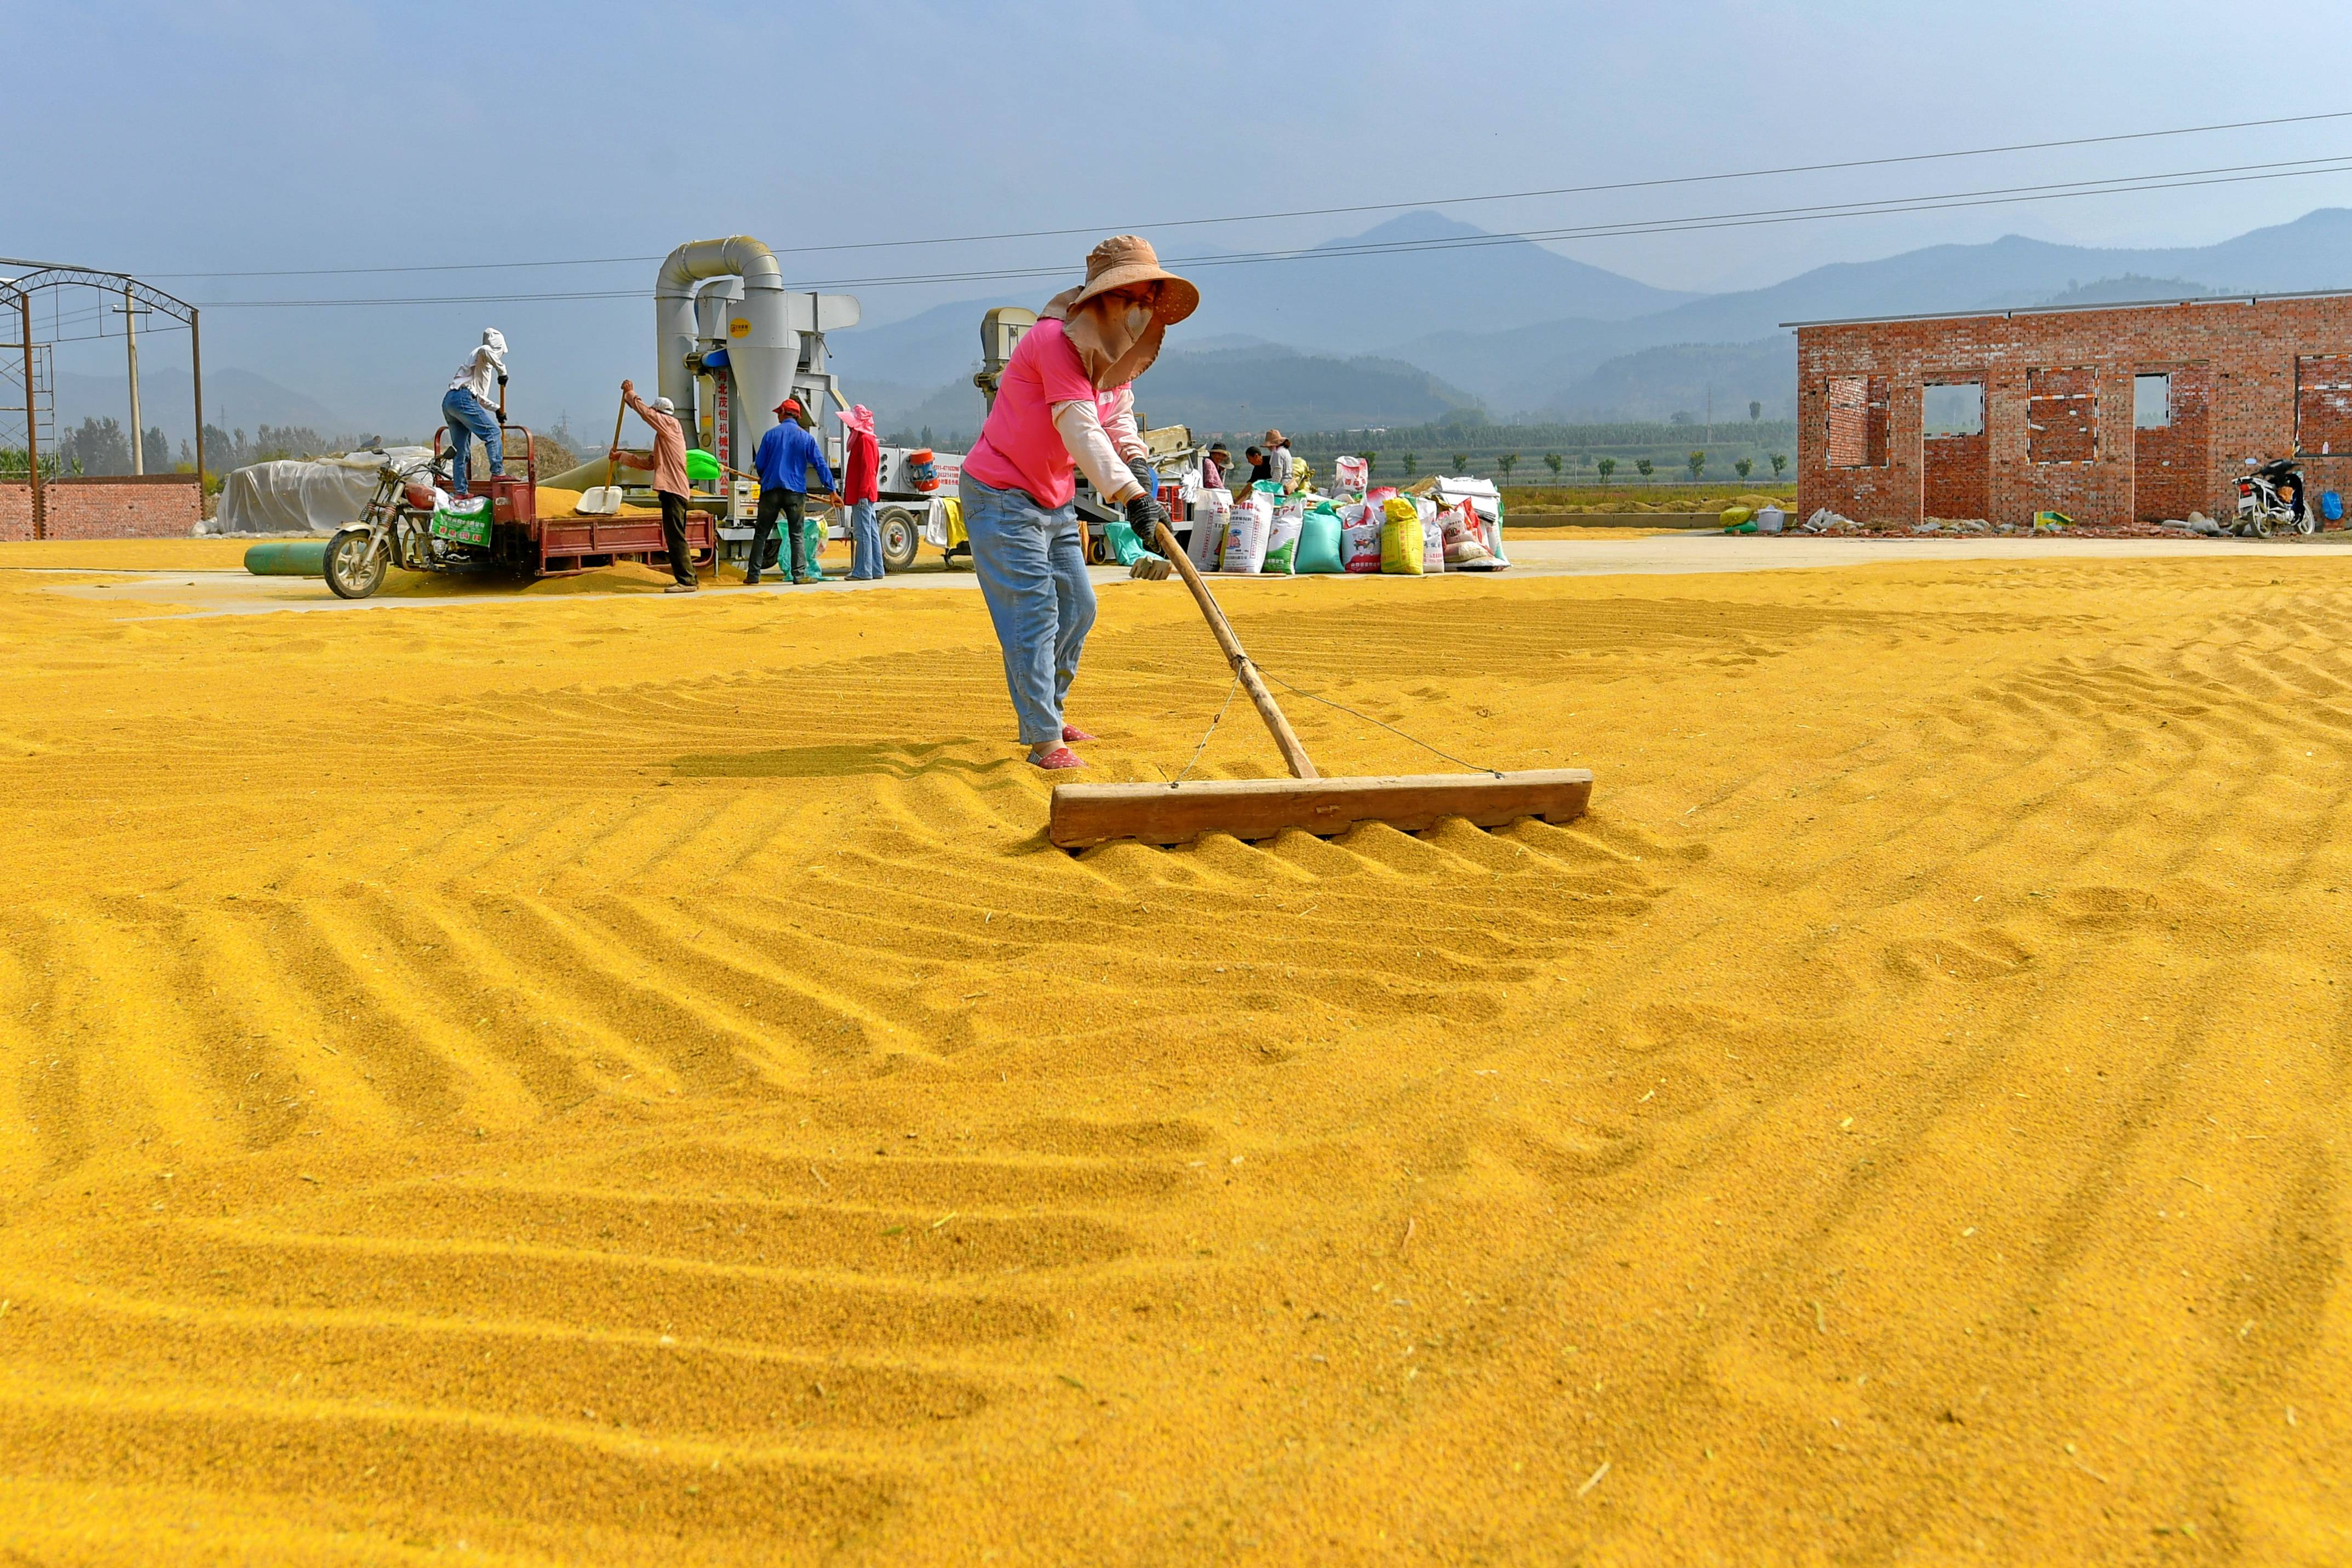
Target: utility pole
[(131, 311), (196, 364)]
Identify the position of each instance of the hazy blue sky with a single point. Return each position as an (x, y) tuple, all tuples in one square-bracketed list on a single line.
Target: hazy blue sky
[(173, 139)]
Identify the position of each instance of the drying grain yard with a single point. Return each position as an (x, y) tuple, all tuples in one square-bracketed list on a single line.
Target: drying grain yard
[(509, 1078), (861, 787)]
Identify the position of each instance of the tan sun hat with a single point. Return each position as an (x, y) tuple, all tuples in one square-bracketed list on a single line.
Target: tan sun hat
[(1123, 259)]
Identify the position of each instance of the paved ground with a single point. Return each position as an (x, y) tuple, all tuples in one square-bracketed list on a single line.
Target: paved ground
[(236, 593)]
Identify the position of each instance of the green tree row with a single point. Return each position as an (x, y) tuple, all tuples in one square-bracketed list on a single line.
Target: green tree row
[(1504, 463)]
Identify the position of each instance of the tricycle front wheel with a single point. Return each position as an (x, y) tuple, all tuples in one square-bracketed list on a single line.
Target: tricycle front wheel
[(355, 567)]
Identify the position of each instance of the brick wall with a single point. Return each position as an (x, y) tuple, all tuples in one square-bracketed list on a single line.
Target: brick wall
[(2170, 466), (1957, 475), (150, 507), (2234, 364)]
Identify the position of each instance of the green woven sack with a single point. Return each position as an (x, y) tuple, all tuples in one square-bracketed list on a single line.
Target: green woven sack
[(1319, 542)]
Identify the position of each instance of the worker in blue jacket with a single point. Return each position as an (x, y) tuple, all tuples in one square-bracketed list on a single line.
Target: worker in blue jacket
[(786, 455)]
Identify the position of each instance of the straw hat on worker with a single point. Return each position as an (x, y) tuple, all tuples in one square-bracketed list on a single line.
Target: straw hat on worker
[(1066, 401)]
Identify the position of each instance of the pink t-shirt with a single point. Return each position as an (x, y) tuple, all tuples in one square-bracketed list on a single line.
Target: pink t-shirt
[(1019, 449)]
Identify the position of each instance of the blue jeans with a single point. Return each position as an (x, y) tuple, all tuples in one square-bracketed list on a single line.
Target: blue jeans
[(466, 419), (865, 542), (1032, 564)]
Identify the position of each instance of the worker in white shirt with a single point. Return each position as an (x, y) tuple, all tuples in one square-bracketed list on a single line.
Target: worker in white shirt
[(465, 408), (1277, 458)]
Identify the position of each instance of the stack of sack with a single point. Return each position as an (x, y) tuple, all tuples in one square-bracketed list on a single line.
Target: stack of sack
[(1485, 503), (1247, 527), (1265, 531), (1212, 510)]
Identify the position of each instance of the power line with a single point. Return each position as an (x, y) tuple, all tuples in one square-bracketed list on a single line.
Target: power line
[(2119, 186), (1326, 211)]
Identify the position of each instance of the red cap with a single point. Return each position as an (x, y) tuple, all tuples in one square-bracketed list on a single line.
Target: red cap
[(790, 405)]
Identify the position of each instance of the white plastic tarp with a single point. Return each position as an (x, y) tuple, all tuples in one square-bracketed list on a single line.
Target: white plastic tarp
[(313, 495)]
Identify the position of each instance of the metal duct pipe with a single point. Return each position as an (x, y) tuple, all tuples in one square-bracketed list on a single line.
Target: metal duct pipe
[(713, 303), (762, 347)]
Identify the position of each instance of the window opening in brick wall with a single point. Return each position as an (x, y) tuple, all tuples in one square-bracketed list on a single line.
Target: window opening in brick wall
[(1951, 408), (2061, 416), (1857, 422), (2323, 404), (2152, 402)]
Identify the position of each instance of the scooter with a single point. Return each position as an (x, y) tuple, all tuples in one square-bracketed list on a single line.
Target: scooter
[(2272, 497)]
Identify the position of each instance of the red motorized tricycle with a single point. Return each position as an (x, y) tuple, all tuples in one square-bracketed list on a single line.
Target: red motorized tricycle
[(502, 531)]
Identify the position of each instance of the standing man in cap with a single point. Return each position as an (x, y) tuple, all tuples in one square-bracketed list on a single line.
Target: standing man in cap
[(668, 465), (465, 410), (786, 454)]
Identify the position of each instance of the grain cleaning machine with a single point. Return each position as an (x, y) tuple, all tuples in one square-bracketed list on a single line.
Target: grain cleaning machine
[(732, 342)]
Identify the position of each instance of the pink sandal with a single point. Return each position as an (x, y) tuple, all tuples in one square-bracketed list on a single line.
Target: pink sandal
[(1072, 734), (1060, 756)]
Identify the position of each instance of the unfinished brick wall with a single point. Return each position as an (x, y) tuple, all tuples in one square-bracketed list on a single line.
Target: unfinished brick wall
[(2170, 466), (2322, 402), (2247, 373), (2061, 416), (1857, 422), (149, 507), (1957, 479)]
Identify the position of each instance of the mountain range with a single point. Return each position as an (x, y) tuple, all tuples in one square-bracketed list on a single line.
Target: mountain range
[(1329, 341), (1348, 334)]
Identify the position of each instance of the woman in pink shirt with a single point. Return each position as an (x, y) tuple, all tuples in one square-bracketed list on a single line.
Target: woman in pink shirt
[(1066, 401)]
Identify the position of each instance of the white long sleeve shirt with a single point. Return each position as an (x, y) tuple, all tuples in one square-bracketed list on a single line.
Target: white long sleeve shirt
[(1103, 448), (479, 374)]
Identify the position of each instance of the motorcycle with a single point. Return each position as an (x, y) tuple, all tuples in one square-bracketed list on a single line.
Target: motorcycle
[(2273, 497), (404, 526)]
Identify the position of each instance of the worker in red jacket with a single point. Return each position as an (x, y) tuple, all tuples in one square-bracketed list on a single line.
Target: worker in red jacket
[(860, 465)]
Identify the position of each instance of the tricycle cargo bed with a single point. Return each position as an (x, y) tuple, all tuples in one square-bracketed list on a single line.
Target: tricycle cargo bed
[(581, 544), (538, 546)]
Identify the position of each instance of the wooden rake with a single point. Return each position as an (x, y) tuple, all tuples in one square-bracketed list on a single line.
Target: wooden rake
[(1085, 814)]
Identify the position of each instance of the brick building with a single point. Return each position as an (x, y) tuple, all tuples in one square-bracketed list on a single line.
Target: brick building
[(155, 506), (2110, 414)]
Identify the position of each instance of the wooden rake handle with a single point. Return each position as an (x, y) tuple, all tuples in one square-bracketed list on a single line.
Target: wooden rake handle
[(1294, 755)]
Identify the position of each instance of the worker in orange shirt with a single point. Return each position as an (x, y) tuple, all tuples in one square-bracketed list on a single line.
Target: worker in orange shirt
[(668, 465)]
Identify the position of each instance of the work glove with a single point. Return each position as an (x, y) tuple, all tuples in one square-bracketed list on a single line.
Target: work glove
[(1144, 515)]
